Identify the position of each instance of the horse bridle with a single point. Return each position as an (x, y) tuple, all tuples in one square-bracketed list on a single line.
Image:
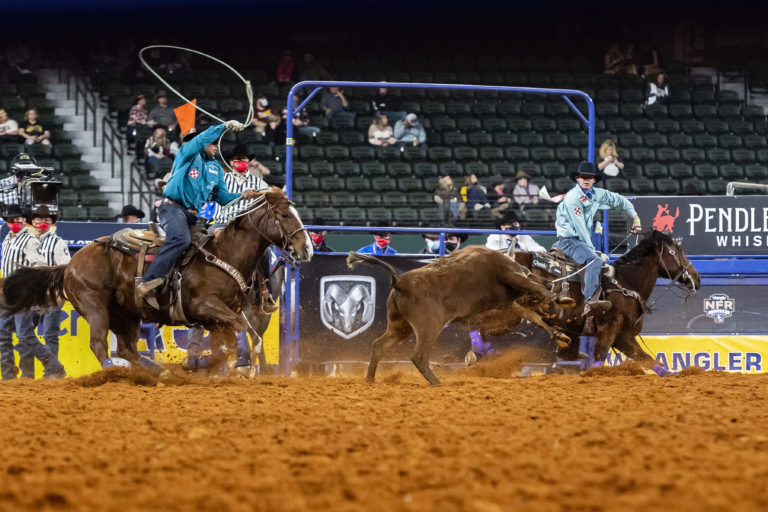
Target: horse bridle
[(684, 273), (284, 252)]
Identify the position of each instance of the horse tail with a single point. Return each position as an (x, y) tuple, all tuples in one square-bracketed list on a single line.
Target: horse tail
[(355, 258), (30, 287)]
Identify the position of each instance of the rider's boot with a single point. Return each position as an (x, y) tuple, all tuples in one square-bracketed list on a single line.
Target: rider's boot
[(147, 291), (268, 305), (595, 306)]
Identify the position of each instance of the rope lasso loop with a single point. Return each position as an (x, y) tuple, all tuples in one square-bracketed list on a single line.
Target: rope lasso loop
[(248, 87)]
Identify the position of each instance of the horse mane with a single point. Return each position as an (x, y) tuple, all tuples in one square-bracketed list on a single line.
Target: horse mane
[(271, 196), (647, 246)]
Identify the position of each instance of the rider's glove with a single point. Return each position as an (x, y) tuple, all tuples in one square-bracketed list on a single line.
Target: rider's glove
[(603, 256), (235, 126), (636, 228), (249, 194)]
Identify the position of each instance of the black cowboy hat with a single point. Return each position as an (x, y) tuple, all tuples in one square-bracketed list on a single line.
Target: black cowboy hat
[(129, 209), (589, 169), (495, 180), (509, 217), (42, 211), (240, 150), (461, 236), (13, 210), (191, 134)]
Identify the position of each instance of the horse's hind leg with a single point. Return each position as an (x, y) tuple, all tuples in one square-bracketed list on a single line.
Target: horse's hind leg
[(627, 344)]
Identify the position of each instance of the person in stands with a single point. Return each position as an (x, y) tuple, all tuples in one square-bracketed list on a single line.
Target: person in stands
[(380, 245)]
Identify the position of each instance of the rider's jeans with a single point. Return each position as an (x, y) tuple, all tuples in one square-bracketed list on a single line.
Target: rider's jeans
[(582, 253), (175, 221)]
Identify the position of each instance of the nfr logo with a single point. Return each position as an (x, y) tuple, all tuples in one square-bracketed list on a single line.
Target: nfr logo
[(719, 307)]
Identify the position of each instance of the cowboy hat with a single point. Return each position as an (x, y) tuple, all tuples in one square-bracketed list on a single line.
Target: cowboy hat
[(12, 211), (240, 150), (509, 217), (589, 169), (42, 212), (159, 182), (129, 209), (522, 174), (495, 180)]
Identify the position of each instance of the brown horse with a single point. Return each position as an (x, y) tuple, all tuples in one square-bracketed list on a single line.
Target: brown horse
[(99, 281), (656, 256)]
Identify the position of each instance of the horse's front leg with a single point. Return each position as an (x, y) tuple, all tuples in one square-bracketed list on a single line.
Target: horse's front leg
[(224, 324)]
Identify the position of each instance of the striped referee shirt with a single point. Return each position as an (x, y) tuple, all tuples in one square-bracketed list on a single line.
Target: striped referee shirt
[(236, 186), (54, 249), (20, 250)]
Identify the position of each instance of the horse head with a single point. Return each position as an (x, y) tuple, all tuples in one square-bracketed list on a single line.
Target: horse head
[(281, 224), (673, 263)]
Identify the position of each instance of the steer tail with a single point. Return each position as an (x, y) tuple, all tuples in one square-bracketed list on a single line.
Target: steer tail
[(29, 287), (355, 258)]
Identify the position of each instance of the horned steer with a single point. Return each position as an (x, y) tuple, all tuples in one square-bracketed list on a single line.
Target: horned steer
[(475, 286)]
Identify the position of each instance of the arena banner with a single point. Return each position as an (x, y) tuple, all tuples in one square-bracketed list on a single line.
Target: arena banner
[(343, 311), (728, 306), (169, 344), (739, 354), (709, 225)]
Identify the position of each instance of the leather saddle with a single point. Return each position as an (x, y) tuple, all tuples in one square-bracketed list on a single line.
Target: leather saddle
[(147, 242), (556, 263)]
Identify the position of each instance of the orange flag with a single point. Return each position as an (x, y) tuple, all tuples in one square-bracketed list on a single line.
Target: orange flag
[(185, 115)]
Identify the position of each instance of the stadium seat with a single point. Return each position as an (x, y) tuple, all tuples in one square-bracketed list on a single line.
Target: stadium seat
[(656, 111), (74, 213), (567, 154), (643, 126), (343, 200), (388, 153), (542, 153), (728, 97), (517, 153), (484, 108), (631, 110), (668, 186), (313, 198), (369, 199), (347, 168), (311, 152), (443, 123), (423, 169), (373, 169), (703, 96), (83, 181), (569, 125), (642, 186), (533, 108), (510, 107), (632, 170), (680, 170), (383, 183), (643, 154), (628, 140), (353, 184), (332, 184), (667, 155), (655, 170), (668, 126), (519, 125), (353, 216), (362, 153), (692, 155), (464, 154), (405, 216), (619, 125), (705, 171), (476, 139), (553, 169), (705, 141), (544, 124), (681, 112), (335, 153), (753, 112), (479, 169), (397, 169), (578, 139), (505, 169), (655, 140), (531, 139), (716, 126), (756, 172), (455, 169), (619, 185), (439, 154), (321, 168), (740, 127), (466, 124), (561, 185), (455, 138), (743, 156), (408, 184), (732, 172), (394, 199), (729, 111), (717, 156), (555, 139), (413, 153), (607, 110), (491, 154), (717, 187), (379, 216), (531, 168), (680, 140)]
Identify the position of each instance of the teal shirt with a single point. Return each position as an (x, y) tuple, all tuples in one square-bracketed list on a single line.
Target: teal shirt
[(576, 213), (194, 179)]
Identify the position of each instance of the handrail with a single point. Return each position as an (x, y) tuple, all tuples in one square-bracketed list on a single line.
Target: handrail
[(89, 106), (110, 135), (730, 189), (140, 186)]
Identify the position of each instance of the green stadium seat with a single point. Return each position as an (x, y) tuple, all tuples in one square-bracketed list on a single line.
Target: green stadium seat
[(680, 111), (369, 199), (491, 154), (355, 184), (680, 170), (553, 169), (464, 154), (557, 109), (539, 218), (533, 108), (310, 152), (555, 139), (743, 156), (479, 169), (716, 126), (383, 183), (618, 125), (608, 95), (397, 169), (380, 216), (717, 156), (433, 107), (517, 153), (753, 112), (456, 138), (476, 139), (569, 125), (755, 141), (409, 184), (321, 168), (348, 168), (756, 172), (531, 139), (443, 123), (510, 107), (542, 153), (83, 181), (430, 216), (703, 96), (732, 172), (504, 169), (413, 153), (544, 124), (314, 198), (578, 139), (455, 169), (347, 138), (632, 170), (667, 126), (388, 154), (353, 216), (642, 186), (693, 186), (74, 213), (432, 182), (631, 140), (439, 154), (740, 127), (680, 140), (729, 141), (668, 186), (631, 110), (484, 108), (668, 155), (729, 111), (692, 155), (362, 153), (101, 213), (394, 199), (656, 111), (423, 169), (618, 185), (405, 216), (467, 124), (643, 126), (335, 153), (519, 125), (607, 110), (705, 141), (567, 154), (643, 154), (655, 171), (11, 149), (305, 183), (330, 216), (655, 140), (728, 97), (706, 171), (561, 185), (343, 200), (531, 168), (332, 184), (717, 187)]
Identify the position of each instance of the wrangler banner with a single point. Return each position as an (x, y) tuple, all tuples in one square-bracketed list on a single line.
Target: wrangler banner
[(721, 225)]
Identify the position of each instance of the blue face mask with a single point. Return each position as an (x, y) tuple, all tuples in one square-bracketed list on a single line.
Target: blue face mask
[(433, 245)]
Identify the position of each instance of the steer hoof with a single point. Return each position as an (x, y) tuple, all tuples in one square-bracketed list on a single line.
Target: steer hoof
[(562, 340), (566, 302)]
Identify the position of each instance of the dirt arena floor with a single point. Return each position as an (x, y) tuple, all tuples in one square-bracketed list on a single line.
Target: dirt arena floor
[(487, 441)]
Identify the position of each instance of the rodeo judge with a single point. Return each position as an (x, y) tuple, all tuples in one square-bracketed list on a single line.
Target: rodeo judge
[(195, 177), (21, 249), (575, 217), (55, 252)]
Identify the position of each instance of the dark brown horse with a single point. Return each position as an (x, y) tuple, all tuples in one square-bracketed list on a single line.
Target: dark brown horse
[(99, 281), (656, 256)]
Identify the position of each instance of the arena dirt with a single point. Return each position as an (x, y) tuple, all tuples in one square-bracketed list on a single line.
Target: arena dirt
[(119, 441)]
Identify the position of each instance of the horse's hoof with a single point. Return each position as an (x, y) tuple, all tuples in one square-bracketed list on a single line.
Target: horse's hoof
[(244, 372), (566, 302), (164, 376), (562, 340), (470, 358)]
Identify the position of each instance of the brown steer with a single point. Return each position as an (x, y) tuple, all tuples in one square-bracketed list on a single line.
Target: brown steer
[(475, 286)]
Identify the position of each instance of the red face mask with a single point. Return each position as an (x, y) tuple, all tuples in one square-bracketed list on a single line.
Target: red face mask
[(15, 226), (42, 226), (240, 166), (381, 242), (317, 239)]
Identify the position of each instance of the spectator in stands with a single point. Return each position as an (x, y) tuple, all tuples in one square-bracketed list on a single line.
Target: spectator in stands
[(55, 252), (311, 69), (162, 114), (474, 194), (629, 62), (131, 215), (525, 193), (453, 241), (648, 59), (497, 196), (613, 58), (380, 133), (160, 184), (21, 249), (333, 102), (285, 68), (447, 198), (264, 120), (9, 129), (136, 116), (158, 147), (318, 237), (387, 104), (301, 120), (33, 132), (610, 164), (502, 242), (657, 91), (410, 132), (380, 245)]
